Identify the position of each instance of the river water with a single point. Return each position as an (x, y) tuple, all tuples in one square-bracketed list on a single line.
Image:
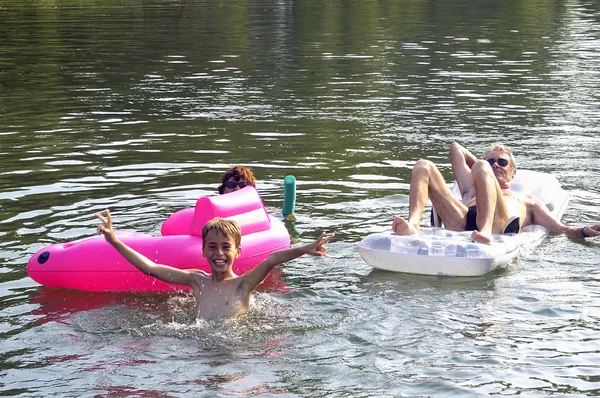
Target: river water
[(140, 106)]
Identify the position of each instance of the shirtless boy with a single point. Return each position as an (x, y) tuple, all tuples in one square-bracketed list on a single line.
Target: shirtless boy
[(488, 206), (220, 293)]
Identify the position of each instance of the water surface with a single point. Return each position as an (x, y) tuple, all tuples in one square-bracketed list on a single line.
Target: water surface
[(140, 107)]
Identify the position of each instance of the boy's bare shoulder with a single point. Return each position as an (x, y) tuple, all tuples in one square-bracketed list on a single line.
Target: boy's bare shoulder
[(199, 275)]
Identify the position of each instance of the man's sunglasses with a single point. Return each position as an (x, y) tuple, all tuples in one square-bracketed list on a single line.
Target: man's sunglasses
[(232, 184), (501, 162)]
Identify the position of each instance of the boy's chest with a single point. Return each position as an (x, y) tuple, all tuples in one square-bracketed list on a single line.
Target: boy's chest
[(219, 299)]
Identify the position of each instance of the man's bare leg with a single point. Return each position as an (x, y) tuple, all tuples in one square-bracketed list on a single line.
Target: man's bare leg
[(428, 183), (491, 208), (418, 196)]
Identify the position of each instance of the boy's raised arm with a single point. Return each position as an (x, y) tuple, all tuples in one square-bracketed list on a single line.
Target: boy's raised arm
[(256, 275), (163, 272)]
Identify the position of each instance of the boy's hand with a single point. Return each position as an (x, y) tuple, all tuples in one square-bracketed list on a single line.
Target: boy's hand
[(318, 247), (106, 227)]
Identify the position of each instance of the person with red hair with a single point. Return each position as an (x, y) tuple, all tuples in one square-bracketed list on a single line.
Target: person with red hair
[(236, 178)]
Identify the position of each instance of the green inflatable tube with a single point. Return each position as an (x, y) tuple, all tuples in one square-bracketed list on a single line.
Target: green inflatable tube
[(289, 195)]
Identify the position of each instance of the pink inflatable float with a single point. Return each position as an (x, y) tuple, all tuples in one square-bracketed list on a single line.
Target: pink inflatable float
[(92, 264)]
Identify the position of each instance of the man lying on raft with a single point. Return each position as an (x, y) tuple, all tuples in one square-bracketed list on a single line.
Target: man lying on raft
[(488, 206)]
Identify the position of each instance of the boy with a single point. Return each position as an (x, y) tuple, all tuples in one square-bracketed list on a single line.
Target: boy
[(221, 292)]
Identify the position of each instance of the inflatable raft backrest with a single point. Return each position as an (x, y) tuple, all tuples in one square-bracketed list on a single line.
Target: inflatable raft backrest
[(243, 206), (544, 186)]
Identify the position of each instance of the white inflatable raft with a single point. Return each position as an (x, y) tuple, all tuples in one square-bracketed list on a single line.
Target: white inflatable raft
[(438, 251)]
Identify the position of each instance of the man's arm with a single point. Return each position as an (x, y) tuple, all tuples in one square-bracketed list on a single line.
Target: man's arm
[(462, 155), (540, 215), (255, 276), (462, 160), (163, 272)]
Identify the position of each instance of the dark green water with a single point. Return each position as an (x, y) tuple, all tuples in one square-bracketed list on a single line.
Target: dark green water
[(139, 106)]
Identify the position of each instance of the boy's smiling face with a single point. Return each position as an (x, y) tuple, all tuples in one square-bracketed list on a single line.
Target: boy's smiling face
[(220, 251)]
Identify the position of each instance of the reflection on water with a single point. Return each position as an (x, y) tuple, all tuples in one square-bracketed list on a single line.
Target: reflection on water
[(140, 108)]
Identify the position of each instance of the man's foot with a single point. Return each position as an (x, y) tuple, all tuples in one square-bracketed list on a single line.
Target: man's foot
[(481, 237), (402, 227)]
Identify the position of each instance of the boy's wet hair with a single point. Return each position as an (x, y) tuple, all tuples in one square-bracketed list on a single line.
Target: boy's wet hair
[(501, 148), (239, 173), (229, 228)]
